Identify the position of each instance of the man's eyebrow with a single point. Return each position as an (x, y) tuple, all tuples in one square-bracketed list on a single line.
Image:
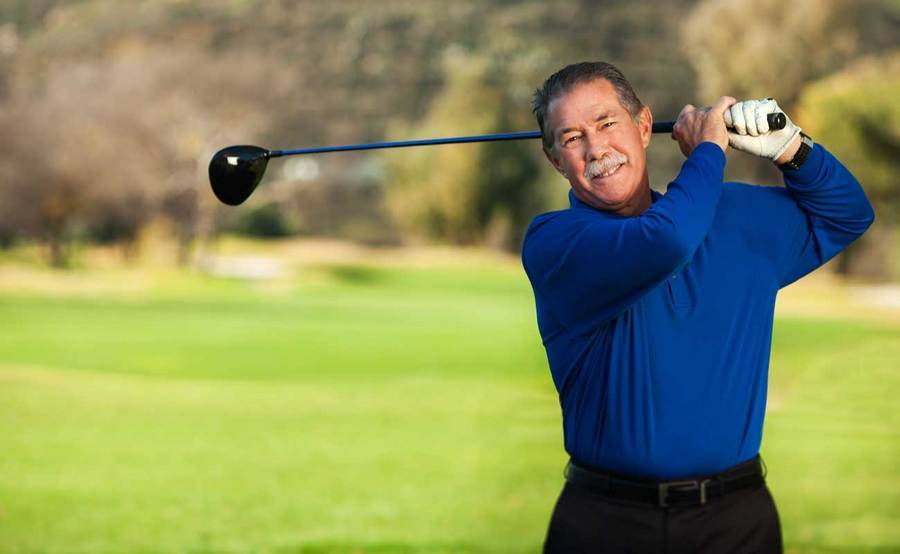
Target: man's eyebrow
[(600, 117)]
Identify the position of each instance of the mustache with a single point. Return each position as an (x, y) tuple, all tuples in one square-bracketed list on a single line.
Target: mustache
[(604, 164)]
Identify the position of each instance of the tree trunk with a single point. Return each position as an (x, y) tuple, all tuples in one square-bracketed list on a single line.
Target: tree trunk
[(59, 255)]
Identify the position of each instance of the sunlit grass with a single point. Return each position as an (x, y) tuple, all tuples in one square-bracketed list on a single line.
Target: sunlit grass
[(369, 408)]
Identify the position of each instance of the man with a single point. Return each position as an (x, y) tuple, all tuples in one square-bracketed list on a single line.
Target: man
[(656, 311)]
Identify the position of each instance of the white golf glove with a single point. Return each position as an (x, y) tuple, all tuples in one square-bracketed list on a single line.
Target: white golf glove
[(749, 129)]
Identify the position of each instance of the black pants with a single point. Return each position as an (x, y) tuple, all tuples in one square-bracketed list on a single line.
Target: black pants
[(741, 522)]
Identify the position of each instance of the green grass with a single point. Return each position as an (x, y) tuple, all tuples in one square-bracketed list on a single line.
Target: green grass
[(370, 410)]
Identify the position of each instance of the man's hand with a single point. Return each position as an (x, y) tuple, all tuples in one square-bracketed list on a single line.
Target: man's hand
[(696, 125), (750, 130)]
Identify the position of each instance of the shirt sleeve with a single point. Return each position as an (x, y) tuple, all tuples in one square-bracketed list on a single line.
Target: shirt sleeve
[(587, 266), (831, 211)]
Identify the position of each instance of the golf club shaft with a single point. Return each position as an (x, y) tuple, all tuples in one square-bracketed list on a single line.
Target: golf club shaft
[(776, 121), (404, 143), (235, 171), (660, 127)]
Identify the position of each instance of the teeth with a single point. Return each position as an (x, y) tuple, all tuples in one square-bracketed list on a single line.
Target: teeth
[(606, 172), (610, 171)]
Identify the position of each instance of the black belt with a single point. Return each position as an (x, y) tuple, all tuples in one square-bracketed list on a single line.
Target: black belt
[(683, 492)]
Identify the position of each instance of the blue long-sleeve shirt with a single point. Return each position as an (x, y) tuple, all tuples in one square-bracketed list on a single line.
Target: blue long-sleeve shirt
[(658, 327)]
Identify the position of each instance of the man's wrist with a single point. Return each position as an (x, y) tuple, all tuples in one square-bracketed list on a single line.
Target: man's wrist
[(791, 151)]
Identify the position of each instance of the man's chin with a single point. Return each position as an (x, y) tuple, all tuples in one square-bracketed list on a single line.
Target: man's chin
[(604, 202), (606, 195), (611, 196), (614, 204)]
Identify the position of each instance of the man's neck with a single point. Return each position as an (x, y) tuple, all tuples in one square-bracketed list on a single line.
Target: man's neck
[(632, 207), (637, 205)]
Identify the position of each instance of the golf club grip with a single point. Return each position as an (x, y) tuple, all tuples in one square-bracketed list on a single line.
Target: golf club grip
[(776, 120)]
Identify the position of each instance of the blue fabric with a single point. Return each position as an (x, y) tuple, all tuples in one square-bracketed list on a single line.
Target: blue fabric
[(658, 327)]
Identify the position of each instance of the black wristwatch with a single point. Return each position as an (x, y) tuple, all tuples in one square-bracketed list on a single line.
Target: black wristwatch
[(806, 146)]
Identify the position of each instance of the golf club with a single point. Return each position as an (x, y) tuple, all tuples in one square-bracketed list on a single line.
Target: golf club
[(235, 171)]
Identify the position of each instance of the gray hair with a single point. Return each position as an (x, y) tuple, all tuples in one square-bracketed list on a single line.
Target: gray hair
[(585, 72)]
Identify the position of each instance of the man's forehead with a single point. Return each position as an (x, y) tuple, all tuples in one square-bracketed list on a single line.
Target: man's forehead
[(583, 100)]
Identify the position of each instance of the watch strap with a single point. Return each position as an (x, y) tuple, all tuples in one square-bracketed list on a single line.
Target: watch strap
[(806, 146)]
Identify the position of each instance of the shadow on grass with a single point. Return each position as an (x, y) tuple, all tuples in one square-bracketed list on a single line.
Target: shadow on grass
[(354, 274)]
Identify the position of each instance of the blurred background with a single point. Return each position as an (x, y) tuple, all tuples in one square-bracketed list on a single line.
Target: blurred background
[(349, 362)]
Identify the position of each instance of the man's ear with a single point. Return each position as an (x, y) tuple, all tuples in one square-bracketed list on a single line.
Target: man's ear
[(554, 161), (645, 124)]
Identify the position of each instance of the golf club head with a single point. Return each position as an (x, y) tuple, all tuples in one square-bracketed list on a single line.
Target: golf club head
[(235, 171)]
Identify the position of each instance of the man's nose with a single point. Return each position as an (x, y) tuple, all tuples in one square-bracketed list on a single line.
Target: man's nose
[(597, 147)]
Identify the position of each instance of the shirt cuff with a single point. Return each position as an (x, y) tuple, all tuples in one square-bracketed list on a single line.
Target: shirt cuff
[(709, 150)]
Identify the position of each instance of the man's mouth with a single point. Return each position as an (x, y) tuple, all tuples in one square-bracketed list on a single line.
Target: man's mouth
[(608, 172), (606, 167)]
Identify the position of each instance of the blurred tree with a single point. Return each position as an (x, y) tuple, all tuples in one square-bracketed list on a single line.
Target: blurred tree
[(26, 15), (62, 142), (122, 137), (762, 48), (456, 192), (855, 112), (173, 81), (490, 192), (266, 221), (38, 201)]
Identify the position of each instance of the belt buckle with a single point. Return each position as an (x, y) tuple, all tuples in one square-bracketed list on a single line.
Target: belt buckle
[(684, 486)]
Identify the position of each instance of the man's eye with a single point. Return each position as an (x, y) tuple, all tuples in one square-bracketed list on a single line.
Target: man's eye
[(609, 124), (571, 139)]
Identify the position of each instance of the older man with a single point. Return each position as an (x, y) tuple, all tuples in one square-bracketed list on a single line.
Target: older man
[(656, 311)]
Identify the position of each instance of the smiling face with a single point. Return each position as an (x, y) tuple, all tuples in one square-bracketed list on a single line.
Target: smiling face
[(600, 148)]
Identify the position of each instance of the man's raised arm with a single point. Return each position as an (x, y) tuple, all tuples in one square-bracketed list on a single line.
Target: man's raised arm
[(822, 210), (836, 211)]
